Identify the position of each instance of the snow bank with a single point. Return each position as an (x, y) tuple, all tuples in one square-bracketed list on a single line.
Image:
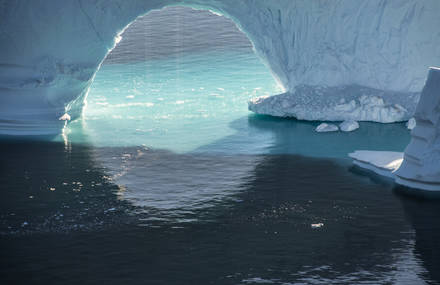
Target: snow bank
[(50, 51), (349, 126), (323, 128)]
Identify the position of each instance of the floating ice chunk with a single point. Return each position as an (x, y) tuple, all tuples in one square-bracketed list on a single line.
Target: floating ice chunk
[(349, 126), (317, 226), (65, 117), (324, 127), (411, 124)]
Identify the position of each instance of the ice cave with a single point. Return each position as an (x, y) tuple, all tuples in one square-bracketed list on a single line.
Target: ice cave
[(336, 60)]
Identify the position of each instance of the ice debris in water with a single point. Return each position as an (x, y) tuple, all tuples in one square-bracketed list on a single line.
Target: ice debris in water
[(324, 127), (317, 226), (411, 124), (349, 126)]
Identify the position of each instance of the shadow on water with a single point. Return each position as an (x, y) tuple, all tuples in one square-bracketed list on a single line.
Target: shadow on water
[(53, 187), (424, 215), (257, 228)]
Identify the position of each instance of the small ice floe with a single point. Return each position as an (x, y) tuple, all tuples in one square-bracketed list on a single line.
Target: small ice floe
[(411, 124), (324, 127), (317, 226), (65, 117), (349, 126)]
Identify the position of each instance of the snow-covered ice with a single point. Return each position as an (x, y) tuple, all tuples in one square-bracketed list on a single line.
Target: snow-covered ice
[(348, 126), (52, 49), (324, 127)]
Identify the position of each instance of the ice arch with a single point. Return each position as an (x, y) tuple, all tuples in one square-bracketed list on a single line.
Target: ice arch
[(50, 50)]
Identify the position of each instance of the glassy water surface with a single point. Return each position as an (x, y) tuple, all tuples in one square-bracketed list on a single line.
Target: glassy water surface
[(168, 179)]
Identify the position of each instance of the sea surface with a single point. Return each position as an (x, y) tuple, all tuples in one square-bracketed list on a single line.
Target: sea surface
[(169, 179)]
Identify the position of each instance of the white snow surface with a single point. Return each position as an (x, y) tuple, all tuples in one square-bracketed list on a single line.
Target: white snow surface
[(349, 126), (324, 128), (52, 49)]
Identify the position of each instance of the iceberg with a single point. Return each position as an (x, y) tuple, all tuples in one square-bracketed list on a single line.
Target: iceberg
[(349, 126), (419, 166), (411, 124), (324, 127), (336, 60)]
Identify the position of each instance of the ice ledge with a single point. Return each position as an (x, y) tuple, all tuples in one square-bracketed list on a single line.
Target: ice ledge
[(419, 166), (386, 163), (354, 103)]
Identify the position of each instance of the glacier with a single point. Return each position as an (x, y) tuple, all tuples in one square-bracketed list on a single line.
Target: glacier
[(348, 126)]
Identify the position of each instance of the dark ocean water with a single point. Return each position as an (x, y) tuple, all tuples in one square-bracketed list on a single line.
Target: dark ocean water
[(226, 200)]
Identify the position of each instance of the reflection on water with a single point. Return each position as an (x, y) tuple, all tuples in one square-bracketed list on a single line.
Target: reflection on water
[(235, 206), (176, 187), (68, 220)]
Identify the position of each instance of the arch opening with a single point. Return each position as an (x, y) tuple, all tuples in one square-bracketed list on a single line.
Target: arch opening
[(172, 78)]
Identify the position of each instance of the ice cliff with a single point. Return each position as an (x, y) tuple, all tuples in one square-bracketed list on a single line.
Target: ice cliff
[(366, 59)]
